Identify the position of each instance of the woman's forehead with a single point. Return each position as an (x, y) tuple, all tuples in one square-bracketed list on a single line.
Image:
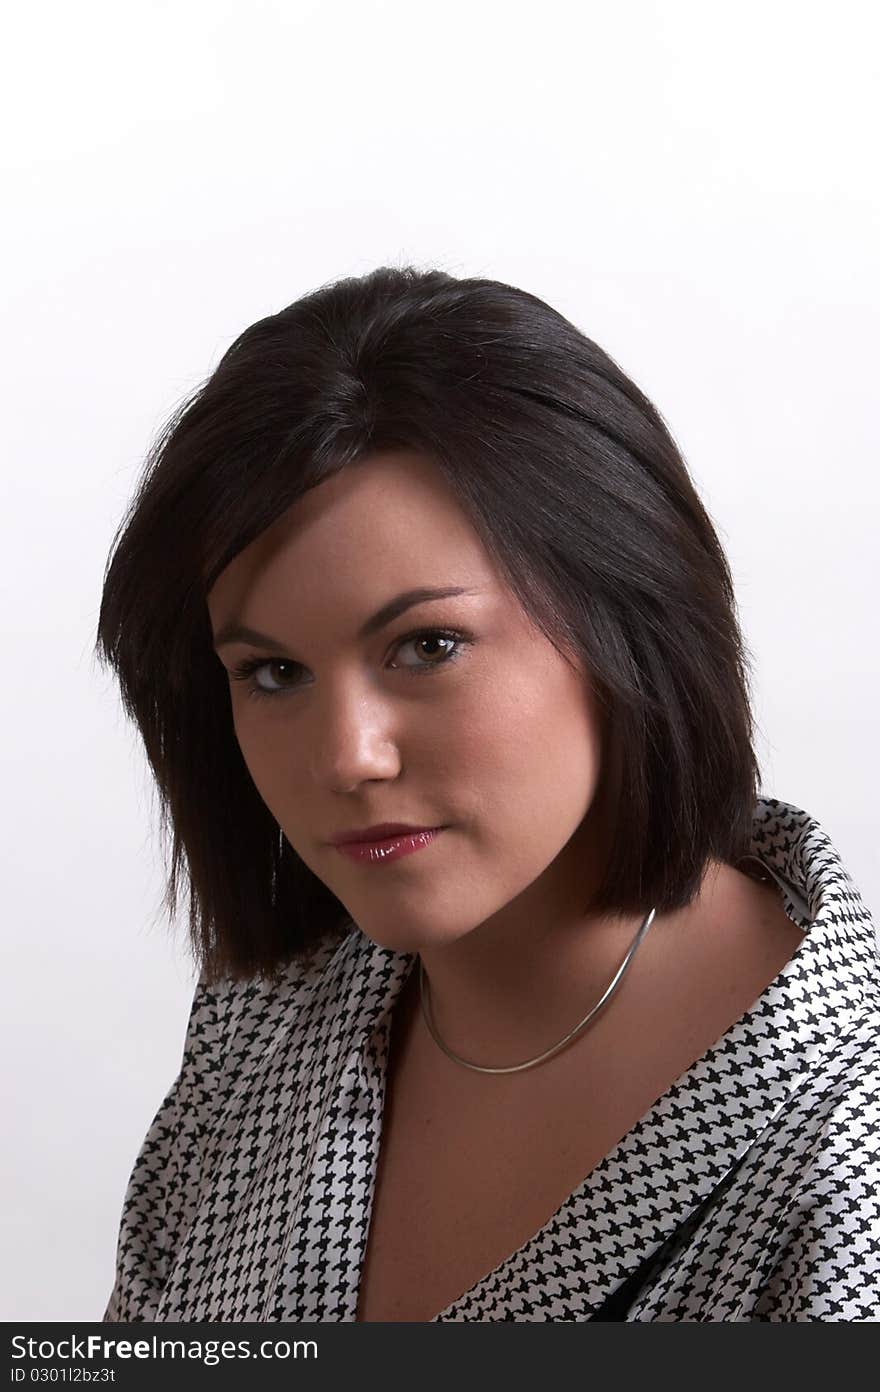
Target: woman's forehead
[(380, 524)]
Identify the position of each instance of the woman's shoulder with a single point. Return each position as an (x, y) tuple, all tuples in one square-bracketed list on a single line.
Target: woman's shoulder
[(233, 1015)]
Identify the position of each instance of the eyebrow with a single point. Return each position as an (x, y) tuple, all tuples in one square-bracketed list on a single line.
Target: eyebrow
[(236, 632)]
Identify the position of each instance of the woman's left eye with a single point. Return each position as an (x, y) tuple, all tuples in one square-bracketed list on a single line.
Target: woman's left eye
[(454, 640)]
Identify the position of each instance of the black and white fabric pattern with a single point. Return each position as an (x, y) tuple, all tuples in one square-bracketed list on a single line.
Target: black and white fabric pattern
[(749, 1191)]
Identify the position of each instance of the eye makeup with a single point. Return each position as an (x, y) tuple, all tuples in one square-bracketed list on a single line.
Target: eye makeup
[(246, 670)]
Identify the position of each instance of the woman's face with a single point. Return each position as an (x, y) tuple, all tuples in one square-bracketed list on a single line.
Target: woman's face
[(481, 728)]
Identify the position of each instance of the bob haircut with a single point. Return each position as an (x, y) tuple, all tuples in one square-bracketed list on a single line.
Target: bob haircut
[(577, 490)]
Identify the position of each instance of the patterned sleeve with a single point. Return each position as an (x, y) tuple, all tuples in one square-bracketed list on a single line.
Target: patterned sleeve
[(162, 1192), (828, 1265)]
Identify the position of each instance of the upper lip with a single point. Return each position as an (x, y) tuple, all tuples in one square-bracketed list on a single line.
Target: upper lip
[(379, 832)]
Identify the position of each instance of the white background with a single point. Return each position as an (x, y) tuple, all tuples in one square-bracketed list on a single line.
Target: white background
[(693, 184)]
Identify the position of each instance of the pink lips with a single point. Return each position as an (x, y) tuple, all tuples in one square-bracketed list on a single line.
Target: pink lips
[(404, 843)]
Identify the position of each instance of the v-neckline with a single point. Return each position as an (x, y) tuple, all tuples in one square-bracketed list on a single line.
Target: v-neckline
[(616, 1195)]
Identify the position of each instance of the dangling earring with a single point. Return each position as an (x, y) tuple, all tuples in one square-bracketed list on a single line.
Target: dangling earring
[(276, 861)]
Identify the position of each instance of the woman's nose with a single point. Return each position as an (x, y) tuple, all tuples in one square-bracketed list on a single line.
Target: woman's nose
[(351, 741)]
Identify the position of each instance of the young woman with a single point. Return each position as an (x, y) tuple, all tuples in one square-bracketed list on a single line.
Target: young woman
[(517, 1001)]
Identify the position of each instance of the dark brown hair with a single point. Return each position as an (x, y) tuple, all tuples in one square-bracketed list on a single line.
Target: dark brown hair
[(576, 488)]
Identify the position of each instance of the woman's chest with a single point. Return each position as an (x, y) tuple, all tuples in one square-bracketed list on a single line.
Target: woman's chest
[(471, 1169), (472, 1166), (450, 1205)]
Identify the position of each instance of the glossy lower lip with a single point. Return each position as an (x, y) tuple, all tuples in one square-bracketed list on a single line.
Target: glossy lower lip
[(391, 848)]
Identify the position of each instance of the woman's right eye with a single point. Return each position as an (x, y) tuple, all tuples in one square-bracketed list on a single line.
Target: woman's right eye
[(245, 671)]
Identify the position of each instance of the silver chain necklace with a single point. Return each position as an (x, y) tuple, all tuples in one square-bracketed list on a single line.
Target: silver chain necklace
[(548, 1053)]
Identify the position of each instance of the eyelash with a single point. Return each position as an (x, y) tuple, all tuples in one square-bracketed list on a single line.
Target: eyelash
[(246, 670)]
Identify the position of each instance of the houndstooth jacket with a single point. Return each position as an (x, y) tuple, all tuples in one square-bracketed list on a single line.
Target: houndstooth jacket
[(750, 1190)]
